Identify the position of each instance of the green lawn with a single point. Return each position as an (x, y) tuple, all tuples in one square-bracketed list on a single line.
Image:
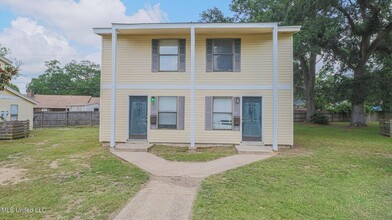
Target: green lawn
[(183, 154), (69, 175), (334, 172)]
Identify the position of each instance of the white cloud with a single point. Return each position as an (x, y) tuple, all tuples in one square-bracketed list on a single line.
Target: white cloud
[(75, 20), (62, 30), (32, 44)]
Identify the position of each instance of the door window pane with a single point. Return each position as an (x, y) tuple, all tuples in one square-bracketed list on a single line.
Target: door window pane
[(222, 113)]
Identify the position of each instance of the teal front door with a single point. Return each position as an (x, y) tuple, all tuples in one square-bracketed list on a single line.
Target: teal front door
[(251, 118), (138, 117)]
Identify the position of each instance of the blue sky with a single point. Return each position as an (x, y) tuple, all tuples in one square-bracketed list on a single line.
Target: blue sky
[(41, 30)]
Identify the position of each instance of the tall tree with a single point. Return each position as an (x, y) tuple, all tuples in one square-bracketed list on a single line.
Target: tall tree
[(74, 78), (306, 47), (7, 72), (214, 15), (363, 26)]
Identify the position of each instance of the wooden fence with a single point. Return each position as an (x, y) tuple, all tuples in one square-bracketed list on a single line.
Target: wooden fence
[(14, 129), (65, 119), (386, 127), (335, 117)]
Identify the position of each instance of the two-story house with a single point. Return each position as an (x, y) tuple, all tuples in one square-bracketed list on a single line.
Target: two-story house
[(197, 83)]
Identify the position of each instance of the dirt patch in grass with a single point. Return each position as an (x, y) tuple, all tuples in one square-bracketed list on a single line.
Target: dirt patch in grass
[(54, 164), (11, 175)]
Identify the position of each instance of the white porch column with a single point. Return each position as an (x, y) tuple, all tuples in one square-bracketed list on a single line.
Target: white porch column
[(113, 89), (193, 88), (275, 87)]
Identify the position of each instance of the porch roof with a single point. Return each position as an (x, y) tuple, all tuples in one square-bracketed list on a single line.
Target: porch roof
[(200, 28)]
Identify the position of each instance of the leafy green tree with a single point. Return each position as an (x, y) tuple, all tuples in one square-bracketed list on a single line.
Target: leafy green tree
[(288, 12), (7, 72), (4, 51), (362, 27), (12, 86), (74, 78), (214, 15)]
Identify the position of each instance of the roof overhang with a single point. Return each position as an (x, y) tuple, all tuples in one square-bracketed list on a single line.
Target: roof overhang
[(5, 60), (200, 28), (20, 95)]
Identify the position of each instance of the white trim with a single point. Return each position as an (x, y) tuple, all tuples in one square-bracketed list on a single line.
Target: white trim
[(289, 28), (20, 95), (193, 88), (108, 86), (275, 88), (154, 87), (5, 60), (157, 26), (113, 85)]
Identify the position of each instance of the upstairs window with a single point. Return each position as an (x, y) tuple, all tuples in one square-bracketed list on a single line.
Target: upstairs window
[(168, 55), (223, 55)]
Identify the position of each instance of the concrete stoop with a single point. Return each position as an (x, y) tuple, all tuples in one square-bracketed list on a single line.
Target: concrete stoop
[(254, 149), (133, 146)]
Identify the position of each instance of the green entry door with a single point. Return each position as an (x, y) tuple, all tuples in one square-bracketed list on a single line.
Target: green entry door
[(138, 117), (251, 119)]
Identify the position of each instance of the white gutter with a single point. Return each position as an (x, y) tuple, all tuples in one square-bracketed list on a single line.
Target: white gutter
[(193, 88), (113, 107), (275, 87)]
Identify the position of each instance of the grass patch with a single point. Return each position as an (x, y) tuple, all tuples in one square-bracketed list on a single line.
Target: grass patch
[(183, 154), (335, 172), (69, 175)]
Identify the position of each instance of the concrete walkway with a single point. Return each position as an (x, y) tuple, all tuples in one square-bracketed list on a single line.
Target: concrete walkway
[(173, 186)]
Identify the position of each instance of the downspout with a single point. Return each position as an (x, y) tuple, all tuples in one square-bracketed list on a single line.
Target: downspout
[(275, 86), (193, 88), (113, 89)]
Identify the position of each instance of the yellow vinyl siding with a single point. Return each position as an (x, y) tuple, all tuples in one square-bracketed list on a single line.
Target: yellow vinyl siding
[(134, 68), (256, 61), (25, 108)]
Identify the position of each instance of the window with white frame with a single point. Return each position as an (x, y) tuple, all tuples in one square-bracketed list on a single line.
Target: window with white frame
[(222, 113), (14, 113), (167, 112), (168, 55)]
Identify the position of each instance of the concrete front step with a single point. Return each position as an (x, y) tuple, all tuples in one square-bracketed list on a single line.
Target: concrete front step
[(248, 149), (132, 147)]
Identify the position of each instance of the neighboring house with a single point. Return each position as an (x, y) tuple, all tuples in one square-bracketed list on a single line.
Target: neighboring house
[(4, 61), (15, 106), (56, 103), (197, 83)]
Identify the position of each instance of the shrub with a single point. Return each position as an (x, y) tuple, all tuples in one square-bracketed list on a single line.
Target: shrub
[(319, 118)]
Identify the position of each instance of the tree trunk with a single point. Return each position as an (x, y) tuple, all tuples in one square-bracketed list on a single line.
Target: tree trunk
[(358, 115), (358, 98), (309, 71)]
